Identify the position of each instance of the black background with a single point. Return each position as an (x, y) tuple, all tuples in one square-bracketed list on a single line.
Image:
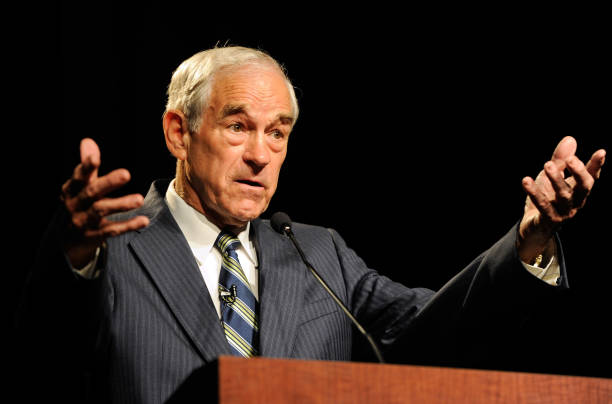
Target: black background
[(416, 122)]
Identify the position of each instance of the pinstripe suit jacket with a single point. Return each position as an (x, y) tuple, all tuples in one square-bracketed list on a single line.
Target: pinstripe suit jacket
[(157, 324)]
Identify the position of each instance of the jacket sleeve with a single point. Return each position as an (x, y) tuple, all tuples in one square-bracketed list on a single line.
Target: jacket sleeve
[(464, 322)]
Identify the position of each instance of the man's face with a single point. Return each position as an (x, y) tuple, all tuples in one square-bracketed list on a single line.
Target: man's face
[(234, 160)]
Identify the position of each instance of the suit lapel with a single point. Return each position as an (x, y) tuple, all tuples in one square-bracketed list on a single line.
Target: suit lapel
[(281, 292), (165, 254)]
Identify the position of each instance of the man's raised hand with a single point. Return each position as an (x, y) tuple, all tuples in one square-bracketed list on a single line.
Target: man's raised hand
[(553, 198), (84, 197)]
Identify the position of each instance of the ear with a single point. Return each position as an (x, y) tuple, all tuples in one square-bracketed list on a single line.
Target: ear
[(176, 131)]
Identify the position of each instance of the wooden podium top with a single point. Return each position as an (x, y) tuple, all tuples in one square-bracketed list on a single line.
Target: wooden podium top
[(261, 380)]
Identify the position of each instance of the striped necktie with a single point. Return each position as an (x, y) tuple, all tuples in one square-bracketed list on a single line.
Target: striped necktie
[(238, 304)]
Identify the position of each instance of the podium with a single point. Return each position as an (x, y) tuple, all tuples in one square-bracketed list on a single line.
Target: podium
[(270, 381)]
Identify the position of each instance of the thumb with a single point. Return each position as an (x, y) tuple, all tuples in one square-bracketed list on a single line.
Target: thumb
[(564, 151)]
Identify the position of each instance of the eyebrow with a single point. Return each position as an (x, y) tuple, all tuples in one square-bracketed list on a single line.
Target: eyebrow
[(285, 119), (233, 109)]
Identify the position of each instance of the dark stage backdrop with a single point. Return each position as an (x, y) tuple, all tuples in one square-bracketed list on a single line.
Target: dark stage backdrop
[(420, 123)]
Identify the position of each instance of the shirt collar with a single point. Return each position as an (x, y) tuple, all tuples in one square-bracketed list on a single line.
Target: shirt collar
[(200, 232)]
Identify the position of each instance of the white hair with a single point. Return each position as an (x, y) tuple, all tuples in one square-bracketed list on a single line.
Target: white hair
[(191, 83)]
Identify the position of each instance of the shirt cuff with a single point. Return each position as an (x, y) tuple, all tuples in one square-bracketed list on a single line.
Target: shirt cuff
[(91, 270), (550, 273)]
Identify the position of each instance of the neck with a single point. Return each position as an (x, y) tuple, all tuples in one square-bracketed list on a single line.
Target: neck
[(187, 193)]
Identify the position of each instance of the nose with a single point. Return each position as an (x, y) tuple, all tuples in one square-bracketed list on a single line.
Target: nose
[(257, 154)]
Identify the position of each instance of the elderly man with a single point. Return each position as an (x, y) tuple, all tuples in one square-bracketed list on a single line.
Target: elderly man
[(167, 284)]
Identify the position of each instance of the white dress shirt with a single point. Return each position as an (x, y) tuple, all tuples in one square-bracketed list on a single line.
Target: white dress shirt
[(201, 235)]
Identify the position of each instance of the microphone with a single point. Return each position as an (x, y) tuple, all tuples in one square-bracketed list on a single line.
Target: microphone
[(282, 224), (227, 296)]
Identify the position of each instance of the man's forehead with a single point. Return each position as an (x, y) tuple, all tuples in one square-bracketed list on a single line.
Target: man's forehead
[(250, 87)]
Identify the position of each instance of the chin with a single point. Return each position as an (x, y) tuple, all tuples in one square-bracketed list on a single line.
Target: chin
[(248, 213)]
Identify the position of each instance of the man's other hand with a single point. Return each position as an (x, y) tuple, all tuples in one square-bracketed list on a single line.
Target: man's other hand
[(84, 196), (553, 198)]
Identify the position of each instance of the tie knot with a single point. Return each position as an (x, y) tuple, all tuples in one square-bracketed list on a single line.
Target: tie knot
[(226, 243)]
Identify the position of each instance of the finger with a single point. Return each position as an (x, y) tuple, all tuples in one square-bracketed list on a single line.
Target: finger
[(540, 201), (90, 155), (544, 184), (108, 206), (86, 170), (595, 163), (525, 183), (102, 186), (90, 161), (94, 218), (584, 181), (71, 188), (563, 191), (80, 177), (564, 150), (83, 220), (112, 229)]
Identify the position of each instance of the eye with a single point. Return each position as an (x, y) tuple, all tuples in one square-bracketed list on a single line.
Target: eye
[(235, 127), (277, 135)]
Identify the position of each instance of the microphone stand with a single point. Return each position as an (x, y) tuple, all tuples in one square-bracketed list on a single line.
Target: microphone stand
[(287, 230)]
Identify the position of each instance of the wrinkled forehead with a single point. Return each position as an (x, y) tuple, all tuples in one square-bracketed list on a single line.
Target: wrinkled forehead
[(253, 88)]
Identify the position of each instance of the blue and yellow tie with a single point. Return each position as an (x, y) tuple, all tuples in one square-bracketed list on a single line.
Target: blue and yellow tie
[(238, 304)]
